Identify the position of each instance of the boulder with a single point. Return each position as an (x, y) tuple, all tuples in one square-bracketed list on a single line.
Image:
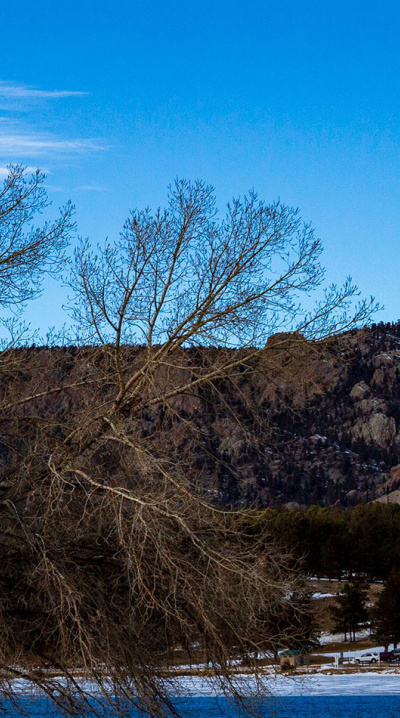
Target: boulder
[(360, 391), (370, 406), (392, 498), (379, 429), (382, 428), (383, 360), (395, 472)]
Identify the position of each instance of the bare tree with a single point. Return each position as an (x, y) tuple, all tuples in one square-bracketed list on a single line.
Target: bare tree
[(128, 557), (27, 252), (180, 278)]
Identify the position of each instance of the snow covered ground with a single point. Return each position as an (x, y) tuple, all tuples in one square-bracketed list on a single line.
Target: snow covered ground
[(354, 684), (318, 594), (359, 652), (338, 637)]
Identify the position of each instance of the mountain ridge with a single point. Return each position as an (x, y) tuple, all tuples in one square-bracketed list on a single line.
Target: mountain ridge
[(300, 424)]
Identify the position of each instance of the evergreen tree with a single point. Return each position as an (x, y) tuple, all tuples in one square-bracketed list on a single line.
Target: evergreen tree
[(350, 612), (386, 613)]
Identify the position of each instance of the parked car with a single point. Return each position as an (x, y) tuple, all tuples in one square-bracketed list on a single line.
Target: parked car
[(390, 656), (367, 658), (387, 656)]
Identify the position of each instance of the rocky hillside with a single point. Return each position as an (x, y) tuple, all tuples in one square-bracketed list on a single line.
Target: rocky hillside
[(322, 426), (341, 444), (307, 424)]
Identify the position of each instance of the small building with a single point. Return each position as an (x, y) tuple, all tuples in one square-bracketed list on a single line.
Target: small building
[(293, 657)]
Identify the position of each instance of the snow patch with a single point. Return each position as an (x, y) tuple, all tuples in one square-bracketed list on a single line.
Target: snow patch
[(318, 594)]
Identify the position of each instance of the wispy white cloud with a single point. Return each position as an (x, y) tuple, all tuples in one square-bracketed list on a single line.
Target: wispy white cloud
[(21, 140), (14, 91), (29, 168), (91, 188), (32, 145)]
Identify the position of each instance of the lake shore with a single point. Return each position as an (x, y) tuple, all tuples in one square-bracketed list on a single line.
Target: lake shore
[(310, 681)]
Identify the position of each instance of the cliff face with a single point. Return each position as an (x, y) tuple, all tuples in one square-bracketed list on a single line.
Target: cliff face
[(320, 427), (305, 425), (341, 444)]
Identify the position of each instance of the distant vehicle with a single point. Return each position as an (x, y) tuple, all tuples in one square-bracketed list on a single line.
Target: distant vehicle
[(367, 658), (390, 656), (387, 656)]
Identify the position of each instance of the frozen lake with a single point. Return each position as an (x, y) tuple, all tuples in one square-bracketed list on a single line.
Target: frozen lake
[(367, 695)]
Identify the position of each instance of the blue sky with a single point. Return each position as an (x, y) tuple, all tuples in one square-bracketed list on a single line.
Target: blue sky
[(300, 100)]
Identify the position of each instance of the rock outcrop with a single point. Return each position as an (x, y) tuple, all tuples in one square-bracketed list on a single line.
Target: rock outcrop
[(306, 424)]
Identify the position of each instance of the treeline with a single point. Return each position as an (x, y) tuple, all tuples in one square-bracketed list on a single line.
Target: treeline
[(335, 542)]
